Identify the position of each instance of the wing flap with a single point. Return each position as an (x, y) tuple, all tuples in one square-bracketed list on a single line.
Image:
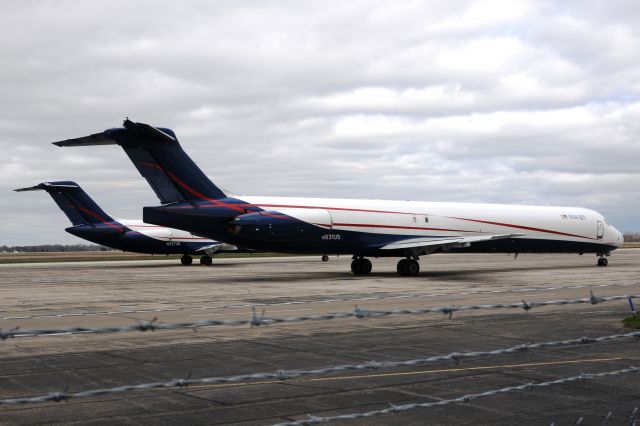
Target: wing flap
[(218, 247), (429, 241)]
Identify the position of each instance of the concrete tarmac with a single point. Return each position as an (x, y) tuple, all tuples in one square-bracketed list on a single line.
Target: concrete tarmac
[(95, 294)]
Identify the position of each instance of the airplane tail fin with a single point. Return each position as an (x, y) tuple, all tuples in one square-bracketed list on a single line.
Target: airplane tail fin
[(159, 158), (74, 202)]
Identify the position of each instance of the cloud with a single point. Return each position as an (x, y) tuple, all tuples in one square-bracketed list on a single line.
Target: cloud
[(484, 101)]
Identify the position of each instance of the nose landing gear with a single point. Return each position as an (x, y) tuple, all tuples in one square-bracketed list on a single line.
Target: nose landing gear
[(602, 261), (408, 267)]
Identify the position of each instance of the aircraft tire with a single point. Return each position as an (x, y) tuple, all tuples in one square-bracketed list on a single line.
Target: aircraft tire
[(413, 268), (402, 267), (325, 258), (365, 266), (355, 266), (206, 260), (361, 266), (408, 267), (186, 260)]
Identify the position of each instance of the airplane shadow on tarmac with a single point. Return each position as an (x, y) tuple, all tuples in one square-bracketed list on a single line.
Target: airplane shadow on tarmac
[(310, 274)]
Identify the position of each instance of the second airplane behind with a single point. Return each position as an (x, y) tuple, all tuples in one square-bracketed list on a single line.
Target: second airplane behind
[(91, 223)]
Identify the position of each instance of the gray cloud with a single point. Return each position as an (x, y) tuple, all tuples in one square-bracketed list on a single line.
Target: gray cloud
[(492, 101)]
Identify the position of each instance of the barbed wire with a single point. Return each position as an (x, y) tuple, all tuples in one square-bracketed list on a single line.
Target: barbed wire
[(283, 375), (307, 301), (608, 417), (465, 398), (260, 319)]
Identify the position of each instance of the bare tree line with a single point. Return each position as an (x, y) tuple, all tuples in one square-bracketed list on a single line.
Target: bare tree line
[(47, 248), (632, 237)]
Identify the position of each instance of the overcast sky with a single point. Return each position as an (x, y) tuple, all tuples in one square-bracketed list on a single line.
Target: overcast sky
[(523, 102)]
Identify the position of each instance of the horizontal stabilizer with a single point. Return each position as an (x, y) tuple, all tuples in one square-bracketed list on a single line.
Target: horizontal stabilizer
[(133, 134), (430, 241), (95, 139), (159, 158), (73, 201), (142, 131), (44, 186)]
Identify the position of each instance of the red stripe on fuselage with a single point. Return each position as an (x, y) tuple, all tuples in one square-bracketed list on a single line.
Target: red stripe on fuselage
[(244, 206), (191, 238), (528, 228), (287, 206), (370, 225)]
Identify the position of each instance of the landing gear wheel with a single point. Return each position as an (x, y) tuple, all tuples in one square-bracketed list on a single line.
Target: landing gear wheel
[(365, 266), (402, 267), (325, 258), (361, 266), (186, 260), (206, 260), (413, 268), (408, 267), (355, 266), (603, 261)]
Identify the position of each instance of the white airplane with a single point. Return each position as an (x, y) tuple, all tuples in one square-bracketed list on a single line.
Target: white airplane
[(361, 228)]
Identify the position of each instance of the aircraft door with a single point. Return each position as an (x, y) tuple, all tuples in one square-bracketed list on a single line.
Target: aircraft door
[(600, 233)]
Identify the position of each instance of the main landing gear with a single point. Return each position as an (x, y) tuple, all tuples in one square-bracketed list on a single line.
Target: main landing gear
[(187, 260), (361, 266), (602, 261), (408, 267)]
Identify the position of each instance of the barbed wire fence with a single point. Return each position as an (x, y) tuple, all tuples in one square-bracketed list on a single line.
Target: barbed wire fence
[(303, 302), (359, 313), (311, 420), (631, 417), (283, 375), (260, 319)]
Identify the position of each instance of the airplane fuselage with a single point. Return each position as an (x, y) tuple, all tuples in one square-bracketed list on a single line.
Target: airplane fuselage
[(140, 237), (363, 227)]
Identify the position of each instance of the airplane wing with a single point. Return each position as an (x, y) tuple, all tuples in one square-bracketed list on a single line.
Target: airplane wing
[(212, 248), (447, 241)]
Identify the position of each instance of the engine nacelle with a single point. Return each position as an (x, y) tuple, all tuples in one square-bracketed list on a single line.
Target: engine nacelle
[(285, 224)]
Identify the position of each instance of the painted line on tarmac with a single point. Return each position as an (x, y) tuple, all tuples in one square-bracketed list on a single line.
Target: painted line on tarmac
[(405, 373)]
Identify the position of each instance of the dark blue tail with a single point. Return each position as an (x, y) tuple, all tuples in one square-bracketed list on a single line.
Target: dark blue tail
[(74, 202), (160, 159)]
